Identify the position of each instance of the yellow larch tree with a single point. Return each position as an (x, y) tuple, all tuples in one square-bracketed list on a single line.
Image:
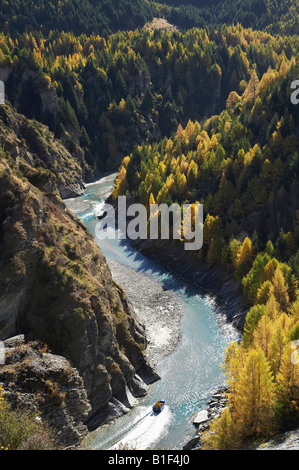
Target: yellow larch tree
[(253, 410), (280, 290), (287, 396)]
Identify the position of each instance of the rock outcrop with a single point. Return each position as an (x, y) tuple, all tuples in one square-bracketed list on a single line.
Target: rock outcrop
[(46, 384), (44, 160), (285, 441)]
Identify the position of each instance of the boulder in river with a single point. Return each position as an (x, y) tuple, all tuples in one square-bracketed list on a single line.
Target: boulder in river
[(201, 417)]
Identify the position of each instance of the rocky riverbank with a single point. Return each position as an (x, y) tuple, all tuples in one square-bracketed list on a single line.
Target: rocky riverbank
[(203, 419), (157, 310), (219, 400)]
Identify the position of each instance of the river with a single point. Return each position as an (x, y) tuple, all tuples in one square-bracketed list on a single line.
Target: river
[(189, 375)]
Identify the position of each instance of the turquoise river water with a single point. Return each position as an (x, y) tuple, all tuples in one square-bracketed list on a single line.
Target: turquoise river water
[(190, 375)]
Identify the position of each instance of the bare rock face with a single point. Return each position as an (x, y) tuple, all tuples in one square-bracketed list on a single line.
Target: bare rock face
[(286, 441), (56, 288), (49, 99)]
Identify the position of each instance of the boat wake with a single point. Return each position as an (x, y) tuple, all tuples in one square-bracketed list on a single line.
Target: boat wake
[(147, 430)]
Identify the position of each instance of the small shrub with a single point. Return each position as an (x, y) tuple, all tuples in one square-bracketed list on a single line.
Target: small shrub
[(19, 429)]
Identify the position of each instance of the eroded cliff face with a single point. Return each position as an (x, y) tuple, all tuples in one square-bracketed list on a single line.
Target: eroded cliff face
[(56, 287), (44, 160)]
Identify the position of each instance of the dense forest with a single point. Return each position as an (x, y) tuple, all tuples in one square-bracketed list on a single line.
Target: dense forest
[(107, 95), (76, 16), (106, 16), (199, 115), (275, 16)]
